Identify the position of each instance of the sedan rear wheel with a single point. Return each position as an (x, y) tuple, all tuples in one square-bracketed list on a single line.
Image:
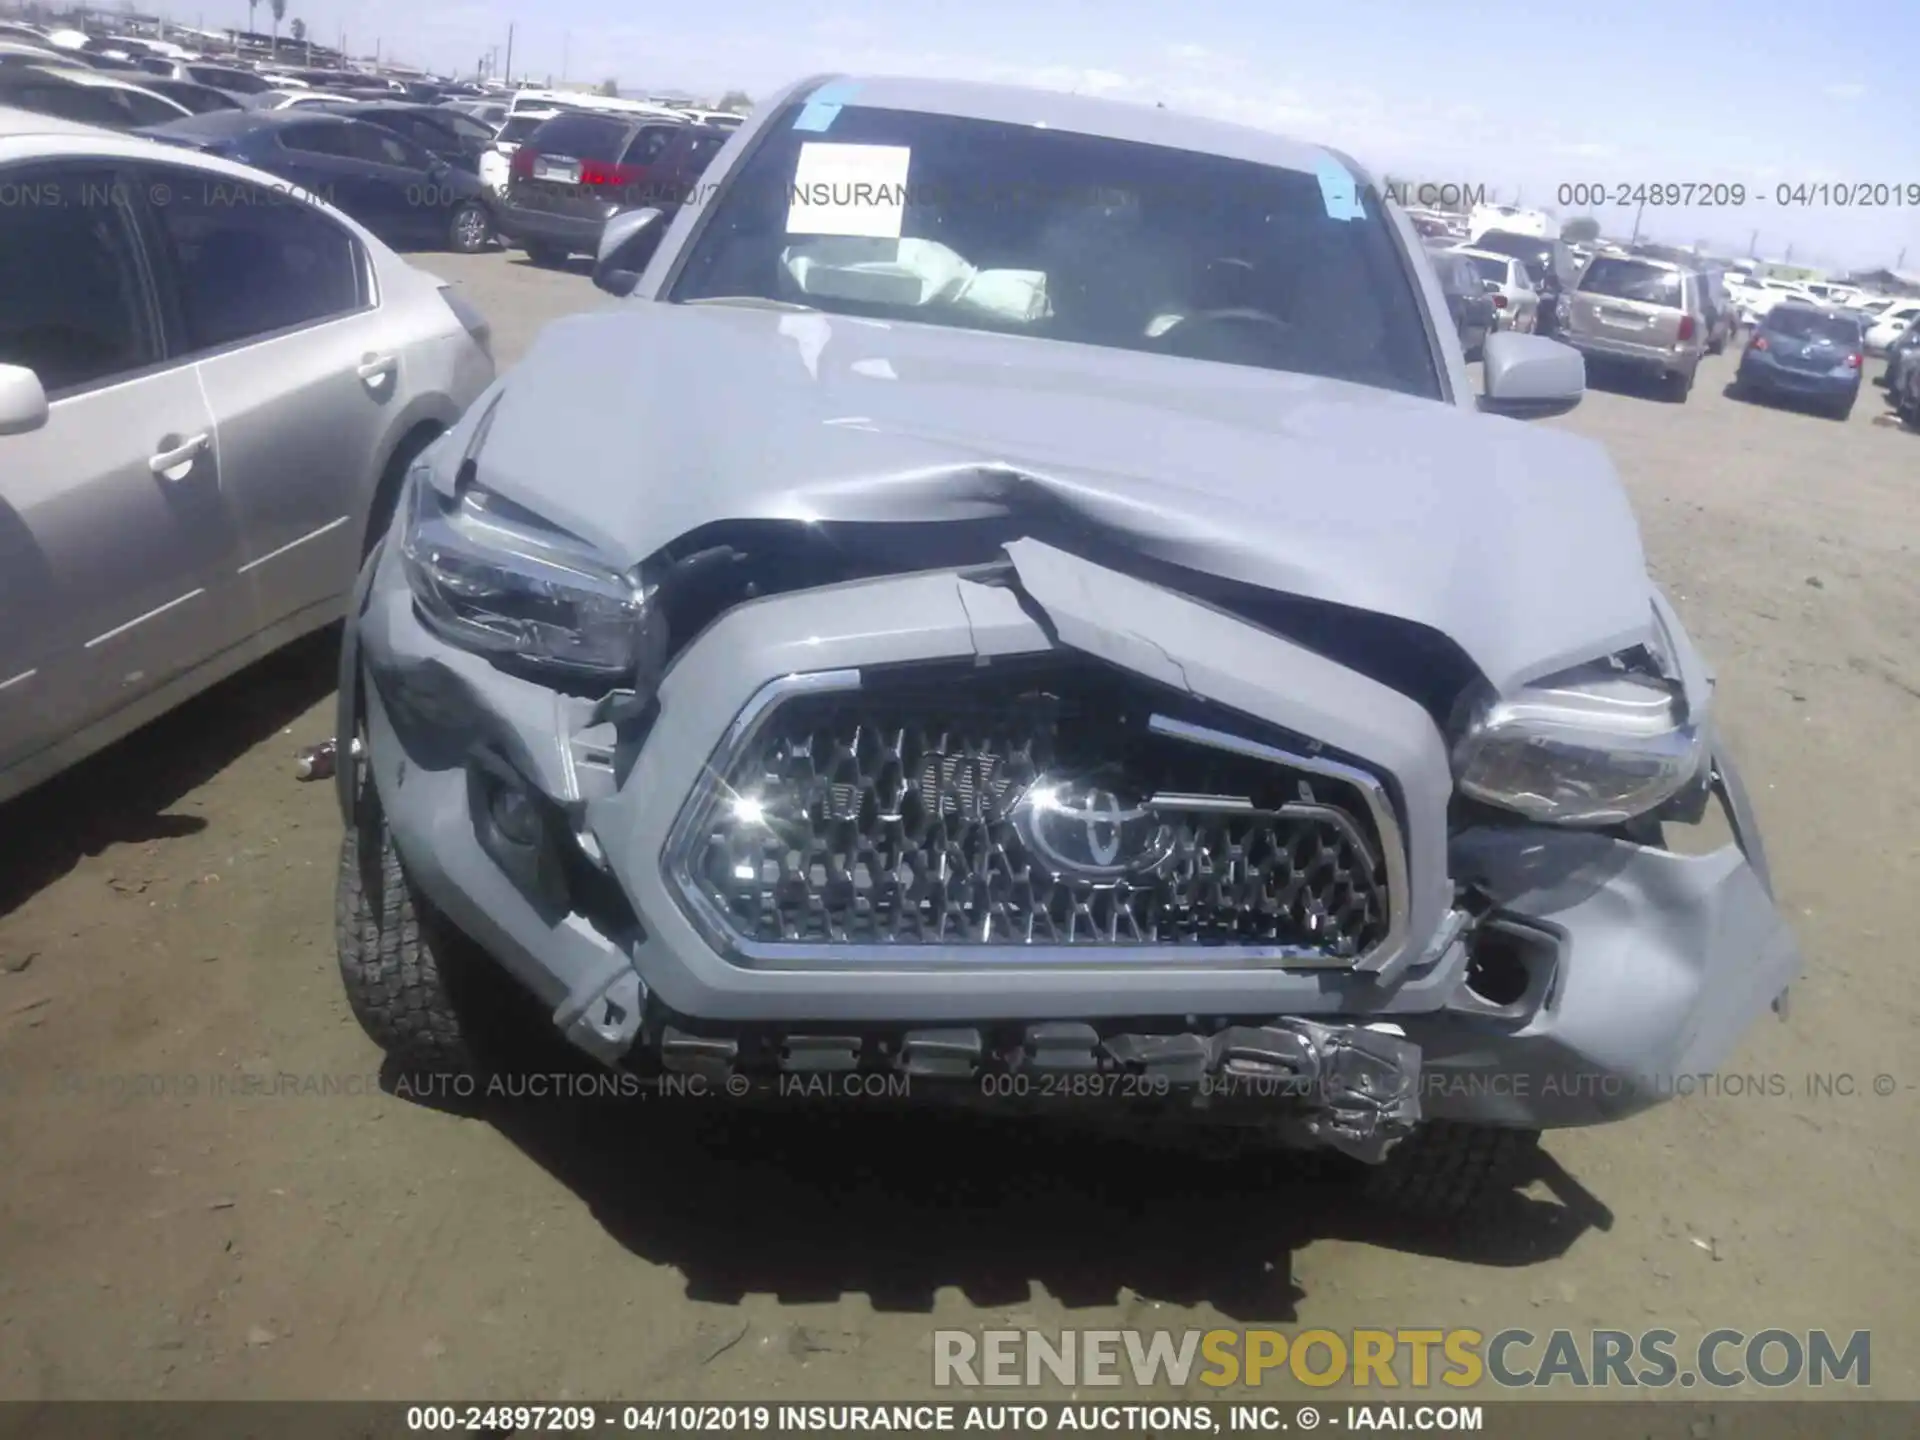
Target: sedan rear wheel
[(471, 228), (547, 256)]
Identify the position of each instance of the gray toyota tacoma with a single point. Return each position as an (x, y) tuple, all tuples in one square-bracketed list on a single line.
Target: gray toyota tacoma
[(1022, 596)]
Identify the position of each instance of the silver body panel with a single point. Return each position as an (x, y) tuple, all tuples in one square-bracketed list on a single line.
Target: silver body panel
[(131, 587)]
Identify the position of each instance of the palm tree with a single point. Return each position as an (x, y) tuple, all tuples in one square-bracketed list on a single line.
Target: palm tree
[(252, 5), (279, 13), (298, 30)]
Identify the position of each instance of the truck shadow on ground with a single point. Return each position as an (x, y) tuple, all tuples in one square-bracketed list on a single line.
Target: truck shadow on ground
[(126, 794), (810, 1200)]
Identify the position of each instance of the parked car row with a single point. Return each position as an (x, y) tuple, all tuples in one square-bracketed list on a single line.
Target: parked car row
[(1644, 310)]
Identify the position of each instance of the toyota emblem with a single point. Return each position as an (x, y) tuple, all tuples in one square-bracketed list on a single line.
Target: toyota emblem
[(1091, 828)]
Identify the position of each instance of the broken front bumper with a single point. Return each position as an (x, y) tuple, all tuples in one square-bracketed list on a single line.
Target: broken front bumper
[(1591, 973)]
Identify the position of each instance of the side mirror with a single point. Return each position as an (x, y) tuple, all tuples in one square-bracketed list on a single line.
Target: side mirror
[(627, 243), (1529, 377), (23, 403)]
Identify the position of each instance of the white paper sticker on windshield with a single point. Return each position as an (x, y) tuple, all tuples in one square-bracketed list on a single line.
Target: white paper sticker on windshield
[(849, 190)]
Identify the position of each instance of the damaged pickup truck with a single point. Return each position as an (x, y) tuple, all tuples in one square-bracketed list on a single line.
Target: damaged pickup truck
[(1022, 587)]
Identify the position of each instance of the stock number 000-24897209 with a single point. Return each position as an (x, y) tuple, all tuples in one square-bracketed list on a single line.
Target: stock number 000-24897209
[(518, 1419)]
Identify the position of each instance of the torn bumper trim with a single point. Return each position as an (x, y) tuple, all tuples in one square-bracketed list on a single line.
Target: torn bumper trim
[(1664, 962), (1347, 1087)]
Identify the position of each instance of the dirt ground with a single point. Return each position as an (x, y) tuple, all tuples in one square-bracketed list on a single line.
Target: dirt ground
[(204, 1193)]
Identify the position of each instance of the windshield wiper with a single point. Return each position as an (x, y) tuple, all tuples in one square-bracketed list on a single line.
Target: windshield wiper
[(754, 302)]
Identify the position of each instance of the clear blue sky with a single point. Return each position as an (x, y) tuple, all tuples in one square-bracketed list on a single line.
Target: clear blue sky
[(1517, 96)]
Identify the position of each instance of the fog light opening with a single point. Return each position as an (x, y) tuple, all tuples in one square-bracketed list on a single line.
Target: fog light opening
[(1497, 968), (514, 815)]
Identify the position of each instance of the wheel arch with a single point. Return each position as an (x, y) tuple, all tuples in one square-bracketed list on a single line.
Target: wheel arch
[(414, 433)]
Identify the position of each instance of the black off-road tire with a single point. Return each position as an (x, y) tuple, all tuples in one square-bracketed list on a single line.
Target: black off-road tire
[(398, 960), (1446, 1170), (547, 257), (1678, 386)]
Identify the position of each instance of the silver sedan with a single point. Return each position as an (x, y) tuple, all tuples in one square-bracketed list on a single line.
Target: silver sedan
[(210, 387), (1516, 303)]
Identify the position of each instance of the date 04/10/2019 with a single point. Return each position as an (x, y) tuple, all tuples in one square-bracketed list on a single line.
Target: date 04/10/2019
[(1734, 194)]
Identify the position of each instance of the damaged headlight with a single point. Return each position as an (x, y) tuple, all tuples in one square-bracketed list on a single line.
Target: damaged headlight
[(495, 578), (1597, 745)]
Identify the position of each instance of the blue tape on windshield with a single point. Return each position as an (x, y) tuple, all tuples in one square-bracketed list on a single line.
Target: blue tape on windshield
[(1339, 192), (823, 105)]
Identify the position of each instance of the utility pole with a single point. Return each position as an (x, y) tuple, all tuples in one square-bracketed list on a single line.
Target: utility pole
[(566, 56), (1753, 246), (1635, 238), (509, 74)]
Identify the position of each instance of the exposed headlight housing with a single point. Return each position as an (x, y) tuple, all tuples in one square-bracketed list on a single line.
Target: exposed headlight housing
[(1597, 745), (494, 578)]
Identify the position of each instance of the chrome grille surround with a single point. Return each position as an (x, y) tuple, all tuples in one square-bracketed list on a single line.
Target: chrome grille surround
[(894, 844)]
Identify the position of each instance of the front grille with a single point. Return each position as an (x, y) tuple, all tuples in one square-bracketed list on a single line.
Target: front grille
[(991, 809)]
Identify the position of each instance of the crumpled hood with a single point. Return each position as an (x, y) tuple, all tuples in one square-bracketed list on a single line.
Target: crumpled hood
[(635, 426)]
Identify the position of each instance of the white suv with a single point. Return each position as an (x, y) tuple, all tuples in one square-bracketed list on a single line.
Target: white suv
[(496, 160)]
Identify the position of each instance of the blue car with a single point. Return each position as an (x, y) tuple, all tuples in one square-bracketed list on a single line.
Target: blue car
[(406, 195), (1803, 352)]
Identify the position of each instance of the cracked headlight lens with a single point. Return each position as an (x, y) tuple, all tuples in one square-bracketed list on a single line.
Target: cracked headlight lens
[(494, 578), (1594, 746)]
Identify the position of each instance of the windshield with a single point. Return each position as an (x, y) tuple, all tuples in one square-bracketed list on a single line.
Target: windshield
[(223, 79), (584, 137), (1632, 280), (1485, 267), (1812, 325), (989, 226), (1533, 253), (519, 127)]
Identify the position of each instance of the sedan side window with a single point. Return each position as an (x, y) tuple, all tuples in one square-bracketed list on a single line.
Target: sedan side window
[(243, 271), (85, 104), (315, 139), (645, 147), (74, 305), (145, 109), (383, 147)]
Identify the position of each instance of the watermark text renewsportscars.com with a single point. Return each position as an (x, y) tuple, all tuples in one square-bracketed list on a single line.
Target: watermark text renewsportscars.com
[(1385, 1359)]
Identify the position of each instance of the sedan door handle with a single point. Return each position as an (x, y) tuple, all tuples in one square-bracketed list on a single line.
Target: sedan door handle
[(164, 462), (376, 370)]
